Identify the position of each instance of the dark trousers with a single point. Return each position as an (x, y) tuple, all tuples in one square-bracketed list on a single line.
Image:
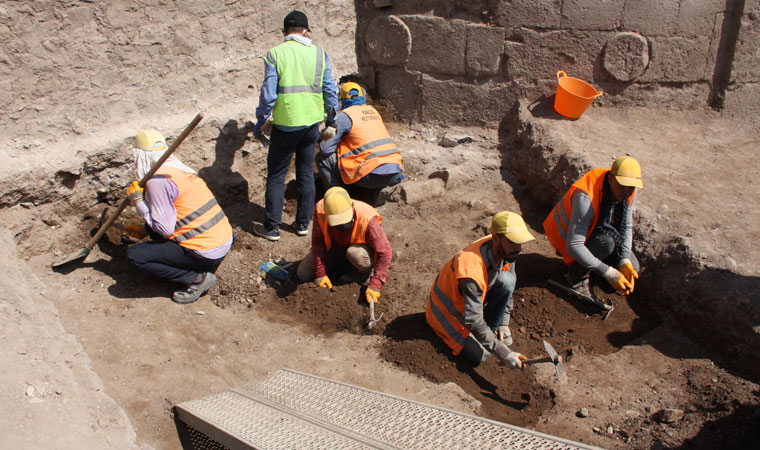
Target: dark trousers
[(281, 149), (602, 246), (166, 259)]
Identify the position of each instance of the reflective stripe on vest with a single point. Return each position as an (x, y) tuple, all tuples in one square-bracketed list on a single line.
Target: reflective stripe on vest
[(363, 213), (201, 224), (445, 311), (300, 70), (367, 146), (557, 222)]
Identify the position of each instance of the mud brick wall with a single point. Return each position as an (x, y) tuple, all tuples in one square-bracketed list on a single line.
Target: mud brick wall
[(467, 61)]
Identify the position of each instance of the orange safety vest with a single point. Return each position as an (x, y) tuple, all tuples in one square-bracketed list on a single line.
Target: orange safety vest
[(445, 309), (556, 223), (366, 146), (201, 223), (363, 213)]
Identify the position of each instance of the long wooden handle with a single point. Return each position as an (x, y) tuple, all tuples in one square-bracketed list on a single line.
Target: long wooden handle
[(144, 180), (545, 359)]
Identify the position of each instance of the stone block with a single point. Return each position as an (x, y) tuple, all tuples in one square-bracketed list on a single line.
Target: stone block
[(438, 45), (415, 192), (541, 54), (699, 17), (679, 60), (651, 17), (626, 56), (388, 40), (592, 14), (403, 89), (524, 13), (464, 103), (743, 101), (485, 47), (747, 54)]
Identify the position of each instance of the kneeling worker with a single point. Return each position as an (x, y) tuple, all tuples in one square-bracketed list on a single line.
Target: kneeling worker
[(362, 152), (191, 234), (470, 302), (347, 236), (592, 227)]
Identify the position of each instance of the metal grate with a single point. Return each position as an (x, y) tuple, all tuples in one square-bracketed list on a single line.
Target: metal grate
[(294, 410)]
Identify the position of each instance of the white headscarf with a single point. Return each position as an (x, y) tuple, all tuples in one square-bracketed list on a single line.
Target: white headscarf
[(145, 159)]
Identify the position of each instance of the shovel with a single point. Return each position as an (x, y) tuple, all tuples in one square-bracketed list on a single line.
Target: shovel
[(91, 243), (552, 358)]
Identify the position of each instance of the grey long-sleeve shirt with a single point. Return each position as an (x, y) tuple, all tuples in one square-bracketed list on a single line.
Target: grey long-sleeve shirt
[(473, 308), (580, 221)]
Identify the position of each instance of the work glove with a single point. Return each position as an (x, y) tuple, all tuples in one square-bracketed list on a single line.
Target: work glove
[(514, 360), (618, 281), (134, 193), (327, 133), (136, 230), (324, 282), (504, 335), (630, 274), (373, 295)]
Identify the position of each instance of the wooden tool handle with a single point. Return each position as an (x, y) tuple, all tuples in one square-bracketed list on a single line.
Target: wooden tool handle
[(545, 359)]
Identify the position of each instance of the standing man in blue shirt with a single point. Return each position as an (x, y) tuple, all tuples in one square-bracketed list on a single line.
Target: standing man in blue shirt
[(298, 93)]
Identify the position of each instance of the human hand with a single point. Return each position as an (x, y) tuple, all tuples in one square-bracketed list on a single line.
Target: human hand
[(618, 281), (324, 282), (373, 295), (136, 230), (327, 133), (630, 274), (257, 129), (134, 193), (504, 335)]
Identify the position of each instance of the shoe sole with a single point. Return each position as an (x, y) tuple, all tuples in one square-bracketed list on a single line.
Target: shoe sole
[(302, 232)]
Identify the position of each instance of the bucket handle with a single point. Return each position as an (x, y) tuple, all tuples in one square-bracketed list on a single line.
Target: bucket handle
[(598, 94), (561, 74)]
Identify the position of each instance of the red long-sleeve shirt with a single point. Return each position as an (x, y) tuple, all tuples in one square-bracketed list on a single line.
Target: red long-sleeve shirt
[(375, 237)]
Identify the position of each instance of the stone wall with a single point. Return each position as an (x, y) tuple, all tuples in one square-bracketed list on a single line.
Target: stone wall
[(468, 61)]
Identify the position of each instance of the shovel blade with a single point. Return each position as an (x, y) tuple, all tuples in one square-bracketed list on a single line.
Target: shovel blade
[(81, 254)]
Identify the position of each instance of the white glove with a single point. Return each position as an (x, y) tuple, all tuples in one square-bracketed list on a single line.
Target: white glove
[(504, 335), (513, 360), (327, 133), (617, 280)]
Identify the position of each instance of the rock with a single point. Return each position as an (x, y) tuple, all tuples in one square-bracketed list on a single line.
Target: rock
[(610, 429), (583, 413), (30, 391), (671, 415), (414, 192), (626, 56), (448, 142), (200, 312)]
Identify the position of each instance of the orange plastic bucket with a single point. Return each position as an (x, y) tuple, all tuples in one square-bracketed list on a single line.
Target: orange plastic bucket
[(573, 96)]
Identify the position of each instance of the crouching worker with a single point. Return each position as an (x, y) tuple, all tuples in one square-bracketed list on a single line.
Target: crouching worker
[(592, 227), (362, 153), (470, 302), (347, 240), (190, 233)]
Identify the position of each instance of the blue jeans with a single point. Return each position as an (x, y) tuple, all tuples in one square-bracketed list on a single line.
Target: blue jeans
[(163, 258), (281, 149), (330, 173)]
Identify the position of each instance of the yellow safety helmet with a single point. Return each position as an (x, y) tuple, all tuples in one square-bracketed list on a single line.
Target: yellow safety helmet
[(627, 171), (347, 88), (512, 226), (150, 140), (338, 206)]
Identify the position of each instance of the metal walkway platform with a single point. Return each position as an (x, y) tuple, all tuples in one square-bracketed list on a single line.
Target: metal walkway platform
[(291, 410)]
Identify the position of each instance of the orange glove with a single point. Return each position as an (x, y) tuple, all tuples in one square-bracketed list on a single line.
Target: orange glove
[(324, 282), (134, 193), (630, 274), (136, 230), (373, 295), (618, 281)]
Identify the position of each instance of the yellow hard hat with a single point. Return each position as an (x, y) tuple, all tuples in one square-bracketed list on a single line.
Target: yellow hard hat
[(345, 90), (627, 171), (338, 206), (512, 226), (150, 140)]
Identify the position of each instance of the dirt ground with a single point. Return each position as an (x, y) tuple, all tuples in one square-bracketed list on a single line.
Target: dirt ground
[(151, 353)]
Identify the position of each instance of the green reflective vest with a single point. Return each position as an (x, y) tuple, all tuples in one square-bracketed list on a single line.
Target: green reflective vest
[(300, 70)]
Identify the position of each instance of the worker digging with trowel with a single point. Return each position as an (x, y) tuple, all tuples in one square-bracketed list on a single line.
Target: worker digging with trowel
[(347, 241), (592, 227), (470, 303), (190, 234)]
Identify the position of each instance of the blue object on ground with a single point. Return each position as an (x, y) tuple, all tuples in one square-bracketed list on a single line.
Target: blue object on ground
[(275, 271)]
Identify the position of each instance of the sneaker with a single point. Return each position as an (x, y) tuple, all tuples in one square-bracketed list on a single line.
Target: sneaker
[(581, 287), (261, 230), (301, 230), (194, 291), (380, 196)]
